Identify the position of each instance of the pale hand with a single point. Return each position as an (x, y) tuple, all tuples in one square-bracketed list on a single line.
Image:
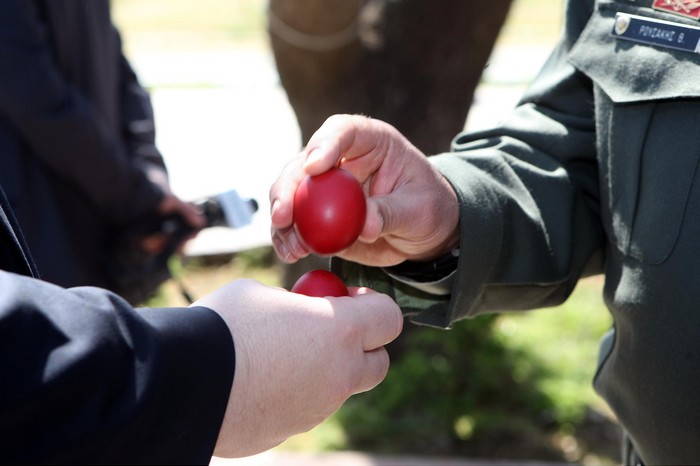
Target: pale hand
[(297, 358)]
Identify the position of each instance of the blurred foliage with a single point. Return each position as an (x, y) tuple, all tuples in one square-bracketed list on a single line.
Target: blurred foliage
[(448, 392)]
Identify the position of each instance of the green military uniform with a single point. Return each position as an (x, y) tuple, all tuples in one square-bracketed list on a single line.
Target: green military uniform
[(594, 172)]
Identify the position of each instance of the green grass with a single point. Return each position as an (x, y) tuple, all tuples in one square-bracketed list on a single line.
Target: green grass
[(564, 342)]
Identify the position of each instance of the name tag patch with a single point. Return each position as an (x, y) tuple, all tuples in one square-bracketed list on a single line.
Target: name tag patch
[(657, 32)]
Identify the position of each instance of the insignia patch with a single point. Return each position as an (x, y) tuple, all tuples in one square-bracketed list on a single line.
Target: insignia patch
[(687, 8), (622, 22)]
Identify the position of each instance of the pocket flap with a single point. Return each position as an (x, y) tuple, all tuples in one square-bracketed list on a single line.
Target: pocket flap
[(633, 72)]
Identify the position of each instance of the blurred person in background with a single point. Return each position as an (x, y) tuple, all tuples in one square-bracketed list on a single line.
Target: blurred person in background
[(77, 137)]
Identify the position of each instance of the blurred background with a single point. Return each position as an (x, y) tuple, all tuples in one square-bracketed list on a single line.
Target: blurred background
[(238, 86)]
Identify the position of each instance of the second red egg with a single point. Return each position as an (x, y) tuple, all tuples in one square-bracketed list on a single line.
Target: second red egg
[(320, 283)]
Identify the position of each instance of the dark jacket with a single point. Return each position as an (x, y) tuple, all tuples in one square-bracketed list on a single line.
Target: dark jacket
[(86, 379), (76, 135), (596, 171)]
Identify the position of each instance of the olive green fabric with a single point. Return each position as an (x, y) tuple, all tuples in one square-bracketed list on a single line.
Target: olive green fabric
[(423, 307), (594, 172)]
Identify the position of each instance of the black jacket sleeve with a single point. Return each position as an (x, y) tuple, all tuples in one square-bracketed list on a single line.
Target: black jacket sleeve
[(87, 379)]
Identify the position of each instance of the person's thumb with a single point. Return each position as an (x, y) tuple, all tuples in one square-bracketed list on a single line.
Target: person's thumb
[(384, 217)]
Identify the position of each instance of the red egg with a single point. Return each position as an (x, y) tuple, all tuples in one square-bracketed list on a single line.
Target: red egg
[(329, 211), (320, 283)]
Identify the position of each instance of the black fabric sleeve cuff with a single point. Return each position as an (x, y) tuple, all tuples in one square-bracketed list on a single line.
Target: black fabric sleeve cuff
[(192, 383), (427, 271)]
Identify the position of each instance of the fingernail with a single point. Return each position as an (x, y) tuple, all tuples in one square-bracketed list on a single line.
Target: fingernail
[(314, 156)]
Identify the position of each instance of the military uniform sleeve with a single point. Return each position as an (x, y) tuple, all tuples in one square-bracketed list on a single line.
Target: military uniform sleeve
[(60, 124), (88, 379), (528, 194)]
